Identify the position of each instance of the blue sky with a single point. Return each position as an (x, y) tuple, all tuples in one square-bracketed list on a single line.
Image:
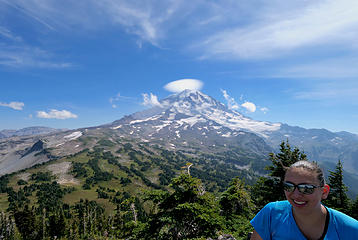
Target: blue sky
[(72, 64)]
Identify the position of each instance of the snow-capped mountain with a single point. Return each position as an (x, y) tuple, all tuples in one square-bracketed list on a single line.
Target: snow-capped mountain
[(192, 115), (189, 108), (195, 119)]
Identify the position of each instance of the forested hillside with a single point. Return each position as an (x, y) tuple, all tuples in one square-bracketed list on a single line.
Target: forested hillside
[(133, 191)]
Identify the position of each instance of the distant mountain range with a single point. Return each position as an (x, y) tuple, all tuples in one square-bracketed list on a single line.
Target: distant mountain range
[(188, 121), (27, 131)]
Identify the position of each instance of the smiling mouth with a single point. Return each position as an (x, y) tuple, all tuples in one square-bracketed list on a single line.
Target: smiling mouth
[(299, 203)]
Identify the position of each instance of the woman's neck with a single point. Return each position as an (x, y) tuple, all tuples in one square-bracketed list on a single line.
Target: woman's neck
[(311, 223), (319, 210)]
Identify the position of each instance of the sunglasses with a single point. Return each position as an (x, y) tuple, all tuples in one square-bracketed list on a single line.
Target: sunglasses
[(302, 188)]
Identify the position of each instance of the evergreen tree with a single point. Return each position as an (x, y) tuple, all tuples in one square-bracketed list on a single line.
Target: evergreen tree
[(27, 223), (237, 208), (57, 224), (7, 227), (269, 189), (188, 212), (236, 199), (354, 209), (4, 180), (337, 197)]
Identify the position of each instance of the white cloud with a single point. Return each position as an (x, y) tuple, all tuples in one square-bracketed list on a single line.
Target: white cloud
[(135, 18), (264, 110), (184, 84), (213, 30), (148, 20), (251, 107), (16, 52), (336, 67), (231, 103), (20, 55), (9, 35), (13, 105), (330, 91), (318, 23), (113, 100), (56, 114), (151, 100)]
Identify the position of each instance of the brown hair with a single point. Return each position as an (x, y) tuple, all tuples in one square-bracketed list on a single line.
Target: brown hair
[(312, 167)]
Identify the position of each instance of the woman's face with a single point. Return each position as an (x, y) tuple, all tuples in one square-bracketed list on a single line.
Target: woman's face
[(305, 202)]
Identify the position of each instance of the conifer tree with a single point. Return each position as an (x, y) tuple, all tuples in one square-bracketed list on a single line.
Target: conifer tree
[(354, 209), (236, 199), (188, 212), (237, 209), (269, 189), (57, 224), (27, 223), (7, 227), (337, 197)]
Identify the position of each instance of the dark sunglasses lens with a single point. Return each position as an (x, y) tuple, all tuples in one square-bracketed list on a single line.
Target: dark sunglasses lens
[(289, 187), (306, 189)]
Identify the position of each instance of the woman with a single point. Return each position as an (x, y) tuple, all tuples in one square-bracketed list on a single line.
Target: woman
[(303, 216)]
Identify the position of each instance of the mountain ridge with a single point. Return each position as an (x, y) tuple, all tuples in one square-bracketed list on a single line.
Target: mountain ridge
[(195, 122), (34, 130)]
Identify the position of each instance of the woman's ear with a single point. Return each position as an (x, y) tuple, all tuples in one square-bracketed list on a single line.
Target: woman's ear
[(325, 191)]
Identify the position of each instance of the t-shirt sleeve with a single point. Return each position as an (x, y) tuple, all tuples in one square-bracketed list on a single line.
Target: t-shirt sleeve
[(346, 226), (262, 221)]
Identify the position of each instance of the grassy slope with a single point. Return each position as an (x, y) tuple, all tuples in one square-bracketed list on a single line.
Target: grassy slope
[(144, 163)]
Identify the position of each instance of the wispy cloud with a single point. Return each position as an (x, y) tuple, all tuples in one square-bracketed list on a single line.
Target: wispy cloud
[(231, 103), (226, 30), (320, 23), (39, 11), (56, 114), (333, 91), (184, 84), (137, 19), (148, 20), (264, 110), (337, 67), (6, 33), (113, 100), (17, 51), (13, 105), (24, 56), (246, 105), (150, 100)]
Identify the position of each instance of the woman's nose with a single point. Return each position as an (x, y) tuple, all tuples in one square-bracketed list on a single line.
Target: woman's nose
[(296, 192)]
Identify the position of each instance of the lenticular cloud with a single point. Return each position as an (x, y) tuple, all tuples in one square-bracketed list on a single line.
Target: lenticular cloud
[(184, 84)]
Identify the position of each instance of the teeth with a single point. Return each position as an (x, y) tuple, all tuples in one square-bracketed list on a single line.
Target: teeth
[(299, 202)]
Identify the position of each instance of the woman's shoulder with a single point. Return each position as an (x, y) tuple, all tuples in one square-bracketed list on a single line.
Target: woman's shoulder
[(280, 207), (341, 217), (343, 222)]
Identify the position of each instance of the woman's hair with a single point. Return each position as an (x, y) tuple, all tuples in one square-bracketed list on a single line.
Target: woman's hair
[(312, 167)]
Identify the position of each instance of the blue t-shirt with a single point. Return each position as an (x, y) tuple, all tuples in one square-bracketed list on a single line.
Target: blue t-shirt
[(275, 221)]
